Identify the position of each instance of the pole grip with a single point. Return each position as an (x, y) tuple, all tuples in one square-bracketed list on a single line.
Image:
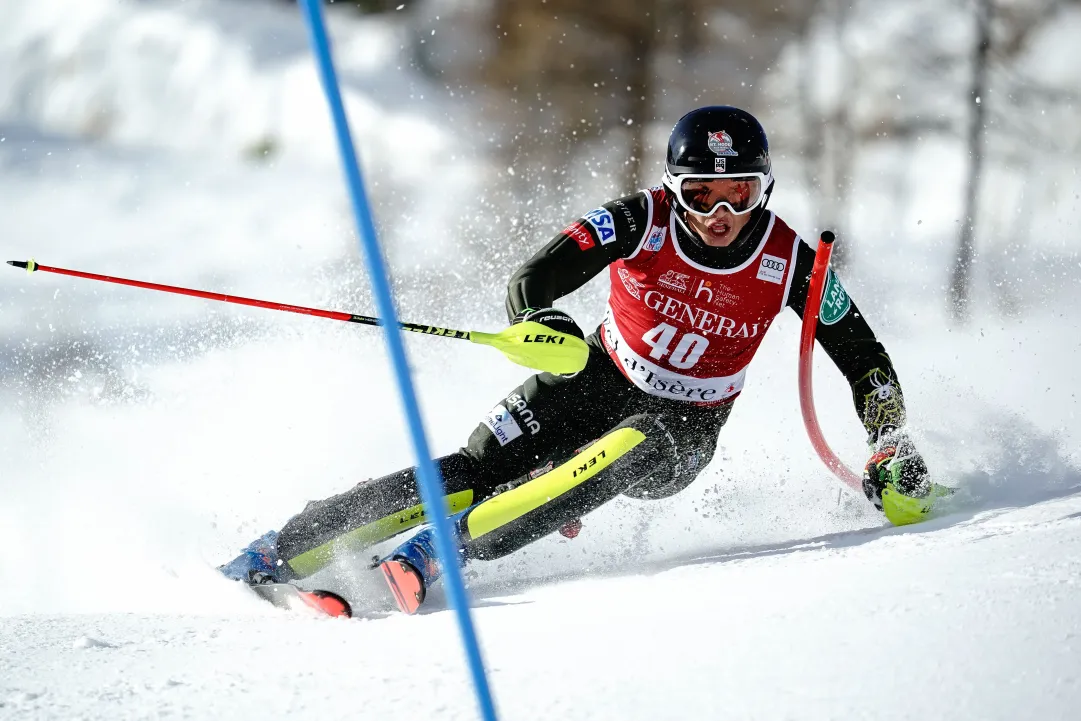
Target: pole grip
[(806, 366)]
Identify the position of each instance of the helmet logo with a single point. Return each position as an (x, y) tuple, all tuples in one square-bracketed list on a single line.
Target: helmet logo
[(721, 143)]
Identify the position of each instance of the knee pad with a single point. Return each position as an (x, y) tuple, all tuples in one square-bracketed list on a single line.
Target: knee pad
[(679, 463)]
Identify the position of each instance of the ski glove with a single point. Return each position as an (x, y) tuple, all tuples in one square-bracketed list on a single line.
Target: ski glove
[(557, 320), (895, 461)]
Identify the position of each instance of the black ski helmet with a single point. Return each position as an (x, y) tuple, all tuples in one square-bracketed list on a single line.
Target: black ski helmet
[(718, 139)]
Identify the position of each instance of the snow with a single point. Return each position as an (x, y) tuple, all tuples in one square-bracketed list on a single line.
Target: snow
[(147, 437), (851, 625)]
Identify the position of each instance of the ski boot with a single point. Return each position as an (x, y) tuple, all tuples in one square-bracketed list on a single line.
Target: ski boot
[(258, 563), (903, 509), (413, 567)]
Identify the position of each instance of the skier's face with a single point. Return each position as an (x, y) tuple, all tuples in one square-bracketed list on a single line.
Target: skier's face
[(718, 230)]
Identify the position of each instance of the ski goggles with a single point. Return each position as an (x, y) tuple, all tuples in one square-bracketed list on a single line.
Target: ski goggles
[(704, 194)]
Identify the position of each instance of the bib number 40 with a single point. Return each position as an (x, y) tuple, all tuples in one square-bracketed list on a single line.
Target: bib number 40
[(686, 353)]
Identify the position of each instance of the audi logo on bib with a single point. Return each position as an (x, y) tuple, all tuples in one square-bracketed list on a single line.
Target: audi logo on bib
[(772, 268)]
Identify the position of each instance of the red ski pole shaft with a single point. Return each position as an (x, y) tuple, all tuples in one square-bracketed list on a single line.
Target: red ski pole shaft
[(31, 266), (806, 353)]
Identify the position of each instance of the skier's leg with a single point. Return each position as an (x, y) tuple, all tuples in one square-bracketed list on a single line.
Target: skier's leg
[(642, 450), (649, 455), (694, 434), (638, 450), (368, 513), (545, 418)]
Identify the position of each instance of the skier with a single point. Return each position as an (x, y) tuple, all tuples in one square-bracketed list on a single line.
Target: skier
[(699, 269)]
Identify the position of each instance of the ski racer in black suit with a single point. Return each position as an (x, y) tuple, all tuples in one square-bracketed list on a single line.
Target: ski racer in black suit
[(699, 268)]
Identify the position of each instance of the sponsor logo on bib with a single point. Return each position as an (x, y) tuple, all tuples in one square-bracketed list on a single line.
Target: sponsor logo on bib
[(701, 319), (772, 268), (674, 281), (634, 288), (658, 381)]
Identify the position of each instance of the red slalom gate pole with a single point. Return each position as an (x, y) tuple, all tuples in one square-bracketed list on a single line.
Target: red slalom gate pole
[(806, 353)]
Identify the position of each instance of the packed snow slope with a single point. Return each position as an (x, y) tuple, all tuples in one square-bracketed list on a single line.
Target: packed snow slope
[(971, 617), (146, 438)]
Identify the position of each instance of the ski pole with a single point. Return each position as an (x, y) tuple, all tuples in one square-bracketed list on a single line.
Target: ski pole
[(529, 344), (806, 351)]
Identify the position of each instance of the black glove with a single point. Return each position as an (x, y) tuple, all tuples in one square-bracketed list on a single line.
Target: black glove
[(896, 462), (557, 320)]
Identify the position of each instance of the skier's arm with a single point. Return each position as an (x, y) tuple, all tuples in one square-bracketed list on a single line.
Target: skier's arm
[(580, 251), (851, 345)]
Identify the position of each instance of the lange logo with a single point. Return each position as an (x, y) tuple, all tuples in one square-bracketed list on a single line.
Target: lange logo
[(835, 301), (589, 464), (540, 338)]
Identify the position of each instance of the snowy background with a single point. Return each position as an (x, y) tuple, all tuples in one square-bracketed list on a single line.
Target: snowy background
[(146, 438)]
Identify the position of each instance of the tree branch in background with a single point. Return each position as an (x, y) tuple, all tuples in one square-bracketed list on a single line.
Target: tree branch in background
[(960, 281)]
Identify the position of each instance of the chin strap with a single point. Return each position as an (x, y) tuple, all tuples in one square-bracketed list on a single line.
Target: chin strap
[(769, 192), (683, 223)]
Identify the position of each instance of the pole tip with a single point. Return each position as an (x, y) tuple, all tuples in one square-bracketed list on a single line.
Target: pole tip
[(828, 237), (14, 263)]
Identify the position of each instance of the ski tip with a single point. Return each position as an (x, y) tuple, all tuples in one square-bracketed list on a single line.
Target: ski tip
[(405, 584), (327, 602)]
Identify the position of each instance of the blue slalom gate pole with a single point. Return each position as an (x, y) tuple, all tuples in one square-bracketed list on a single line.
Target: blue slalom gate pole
[(431, 485)]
